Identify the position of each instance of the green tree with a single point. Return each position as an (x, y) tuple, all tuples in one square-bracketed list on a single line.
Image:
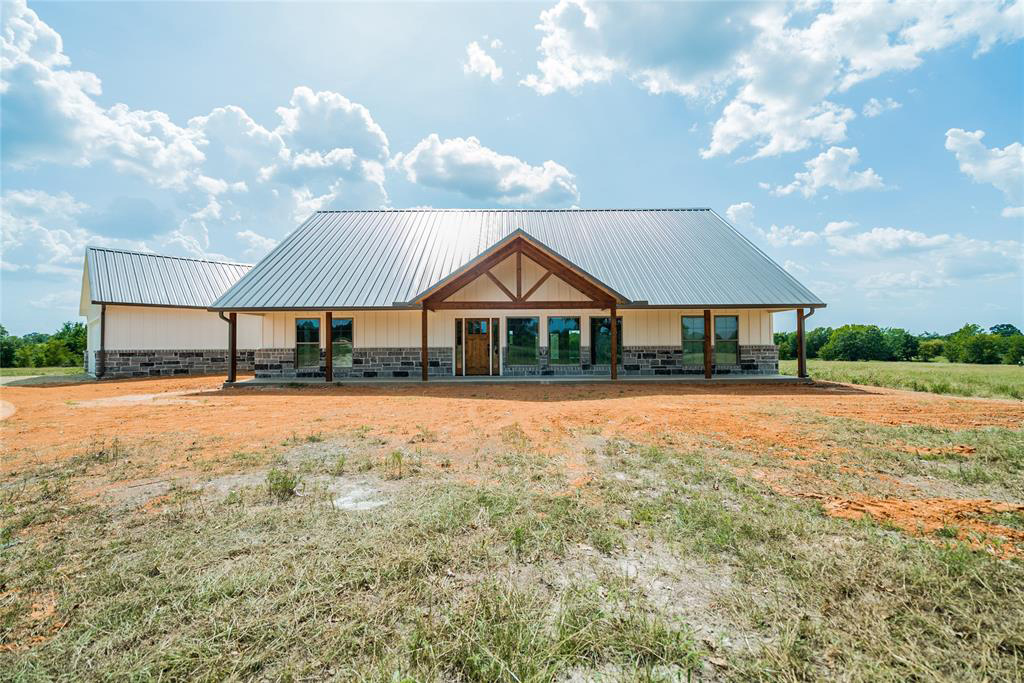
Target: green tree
[(817, 338), (855, 342), (73, 335), (1004, 330), (1013, 349), (9, 345), (786, 341), (956, 344), (982, 348), (929, 348), (900, 344)]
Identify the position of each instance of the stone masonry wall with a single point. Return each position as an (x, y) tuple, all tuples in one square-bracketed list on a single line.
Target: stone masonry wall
[(405, 363), (366, 363), (163, 362)]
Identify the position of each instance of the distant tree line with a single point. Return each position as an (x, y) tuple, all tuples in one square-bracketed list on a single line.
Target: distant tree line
[(1002, 343), (63, 348)]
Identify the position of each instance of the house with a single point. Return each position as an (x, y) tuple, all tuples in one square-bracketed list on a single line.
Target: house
[(442, 293)]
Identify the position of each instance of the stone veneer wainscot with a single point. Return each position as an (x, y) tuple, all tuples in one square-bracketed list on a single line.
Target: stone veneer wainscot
[(163, 362)]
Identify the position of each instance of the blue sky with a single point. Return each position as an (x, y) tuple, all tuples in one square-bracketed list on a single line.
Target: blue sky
[(874, 149)]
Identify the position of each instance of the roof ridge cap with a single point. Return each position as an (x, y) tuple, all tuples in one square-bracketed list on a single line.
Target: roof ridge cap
[(89, 247)]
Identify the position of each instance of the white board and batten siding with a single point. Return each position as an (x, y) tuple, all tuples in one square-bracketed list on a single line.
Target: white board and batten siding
[(402, 329), (187, 329)]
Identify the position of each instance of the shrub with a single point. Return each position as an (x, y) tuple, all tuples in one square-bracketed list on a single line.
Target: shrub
[(281, 484)]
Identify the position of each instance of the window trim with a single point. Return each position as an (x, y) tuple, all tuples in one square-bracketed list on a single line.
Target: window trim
[(536, 348)]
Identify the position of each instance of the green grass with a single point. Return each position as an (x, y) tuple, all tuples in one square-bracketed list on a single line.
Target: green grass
[(22, 372), (515, 579), (960, 379)]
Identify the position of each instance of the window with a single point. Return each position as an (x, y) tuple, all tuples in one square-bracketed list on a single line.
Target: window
[(476, 326), (307, 342), (564, 341), (727, 340), (601, 341), (341, 342), (693, 340), (523, 338)]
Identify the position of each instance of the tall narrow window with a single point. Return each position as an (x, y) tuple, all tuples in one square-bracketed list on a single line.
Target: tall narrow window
[(693, 339), (523, 339), (458, 346), (727, 340), (341, 342), (564, 341), (601, 340), (495, 345), (307, 342)]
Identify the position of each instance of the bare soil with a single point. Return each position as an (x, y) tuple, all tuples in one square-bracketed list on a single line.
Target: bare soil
[(185, 431)]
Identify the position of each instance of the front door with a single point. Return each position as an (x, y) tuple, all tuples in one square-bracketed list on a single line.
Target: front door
[(477, 347)]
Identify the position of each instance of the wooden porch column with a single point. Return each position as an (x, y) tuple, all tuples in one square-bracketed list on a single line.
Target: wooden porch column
[(707, 343), (232, 347), (424, 356), (615, 345), (801, 347), (329, 368)]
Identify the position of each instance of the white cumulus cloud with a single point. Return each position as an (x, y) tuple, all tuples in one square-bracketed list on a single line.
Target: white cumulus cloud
[(464, 165), (875, 107), (780, 65), (1003, 168), (832, 168), (480, 63)]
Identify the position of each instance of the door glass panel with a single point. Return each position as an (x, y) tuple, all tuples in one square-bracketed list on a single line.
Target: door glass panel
[(601, 340), (458, 346), (523, 338), (341, 342), (564, 341), (495, 353)]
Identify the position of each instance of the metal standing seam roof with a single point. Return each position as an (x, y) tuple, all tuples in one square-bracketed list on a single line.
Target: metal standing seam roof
[(380, 259), (117, 276)]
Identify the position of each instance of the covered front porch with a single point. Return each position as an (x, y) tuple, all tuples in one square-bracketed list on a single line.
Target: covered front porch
[(517, 312)]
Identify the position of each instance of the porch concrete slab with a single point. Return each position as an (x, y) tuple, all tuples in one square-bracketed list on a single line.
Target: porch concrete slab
[(319, 382)]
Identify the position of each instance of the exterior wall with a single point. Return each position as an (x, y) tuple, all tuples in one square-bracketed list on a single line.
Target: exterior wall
[(161, 363), (131, 328), (366, 363), (387, 343), (153, 340)]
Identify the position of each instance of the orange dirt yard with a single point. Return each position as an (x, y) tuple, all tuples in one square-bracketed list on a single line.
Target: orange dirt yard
[(786, 437)]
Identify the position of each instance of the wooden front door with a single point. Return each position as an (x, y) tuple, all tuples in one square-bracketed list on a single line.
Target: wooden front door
[(478, 346)]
